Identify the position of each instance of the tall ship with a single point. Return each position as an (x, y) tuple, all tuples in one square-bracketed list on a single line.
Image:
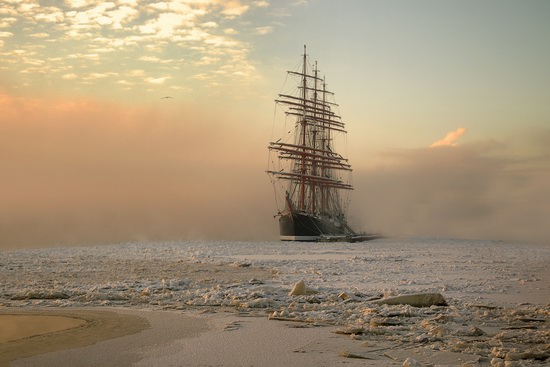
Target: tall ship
[(312, 179)]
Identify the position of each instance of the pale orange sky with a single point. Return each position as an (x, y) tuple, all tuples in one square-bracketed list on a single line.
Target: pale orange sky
[(90, 152)]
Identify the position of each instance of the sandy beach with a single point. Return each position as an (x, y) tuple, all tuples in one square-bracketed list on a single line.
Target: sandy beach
[(220, 339), (33, 332), (234, 309), (169, 338)]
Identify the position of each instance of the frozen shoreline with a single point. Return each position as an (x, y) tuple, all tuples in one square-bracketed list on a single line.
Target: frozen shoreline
[(175, 275), (489, 286)]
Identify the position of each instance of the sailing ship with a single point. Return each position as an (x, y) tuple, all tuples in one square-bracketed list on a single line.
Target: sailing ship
[(312, 180)]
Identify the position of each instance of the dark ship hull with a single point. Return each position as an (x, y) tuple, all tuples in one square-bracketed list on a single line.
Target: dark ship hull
[(307, 227)]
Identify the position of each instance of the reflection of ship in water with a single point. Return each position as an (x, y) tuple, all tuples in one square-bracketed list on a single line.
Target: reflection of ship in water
[(312, 180)]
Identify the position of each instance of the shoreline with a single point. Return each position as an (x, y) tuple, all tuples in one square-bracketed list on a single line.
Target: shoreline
[(73, 329), (231, 337)]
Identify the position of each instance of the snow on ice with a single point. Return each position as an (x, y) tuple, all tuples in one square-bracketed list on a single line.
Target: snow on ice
[(481, 282)]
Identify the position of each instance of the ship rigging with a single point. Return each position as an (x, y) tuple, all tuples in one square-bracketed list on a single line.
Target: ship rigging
[(312, 180)]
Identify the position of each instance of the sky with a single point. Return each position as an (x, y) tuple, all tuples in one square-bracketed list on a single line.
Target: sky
[(149, 121)]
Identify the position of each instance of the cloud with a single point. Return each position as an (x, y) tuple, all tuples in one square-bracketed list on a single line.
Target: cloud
[(77, 3), (82, 29), (160, 80), (449, 139), (469, 191), (70, 76), (166, 25), (121, 16), (50, 15), (7, 22), (87, 56), (264, 30), (150, 58), (39, 35), (230, 31), (261, 4), (210, 25), (208, 60), (125, 83), (136, 72), (234, 8), (94, 76)]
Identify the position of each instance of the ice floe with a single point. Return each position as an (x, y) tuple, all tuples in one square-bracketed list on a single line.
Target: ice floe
[(484, 299)]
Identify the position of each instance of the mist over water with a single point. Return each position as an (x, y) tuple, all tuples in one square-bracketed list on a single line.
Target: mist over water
[(94, 173), (465, 191)]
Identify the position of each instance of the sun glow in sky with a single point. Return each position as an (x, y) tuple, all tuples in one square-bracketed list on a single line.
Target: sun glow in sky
[(91, 151), (104, 48)]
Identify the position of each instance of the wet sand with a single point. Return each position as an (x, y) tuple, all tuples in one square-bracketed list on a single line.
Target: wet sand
[(178, 339), (148, 338), (26, 333), (15, 327)]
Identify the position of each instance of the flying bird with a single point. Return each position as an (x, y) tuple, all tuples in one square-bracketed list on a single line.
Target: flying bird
[(167, 97)]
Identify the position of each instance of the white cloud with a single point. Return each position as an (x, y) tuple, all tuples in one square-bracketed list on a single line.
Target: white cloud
[(167, 23), (8, 11), (50, 14), (210, 25), (70, 76), (261, 4), (147, 29), (89, 56), (103, 20), (230, 31), (136, 72), (149, 59), (207, 60), (93, 76), (159, 6), (264, 30), (220, 41), (125, 83), (39, 35), (233, 9), (103, 50), (77, 3), (7, 22), (82, 32), (27, 7), (159, 81), (202, 76)]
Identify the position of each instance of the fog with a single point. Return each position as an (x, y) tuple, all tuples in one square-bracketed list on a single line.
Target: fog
[(92, 173), (475, 191), (95, 173)]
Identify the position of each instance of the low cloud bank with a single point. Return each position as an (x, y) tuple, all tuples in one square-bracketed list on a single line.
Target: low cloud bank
[(468, 191), (87, 172)]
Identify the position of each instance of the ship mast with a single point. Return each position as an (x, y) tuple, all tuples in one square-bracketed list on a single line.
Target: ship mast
[(311, 179), (315, 167), (304, 126)]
